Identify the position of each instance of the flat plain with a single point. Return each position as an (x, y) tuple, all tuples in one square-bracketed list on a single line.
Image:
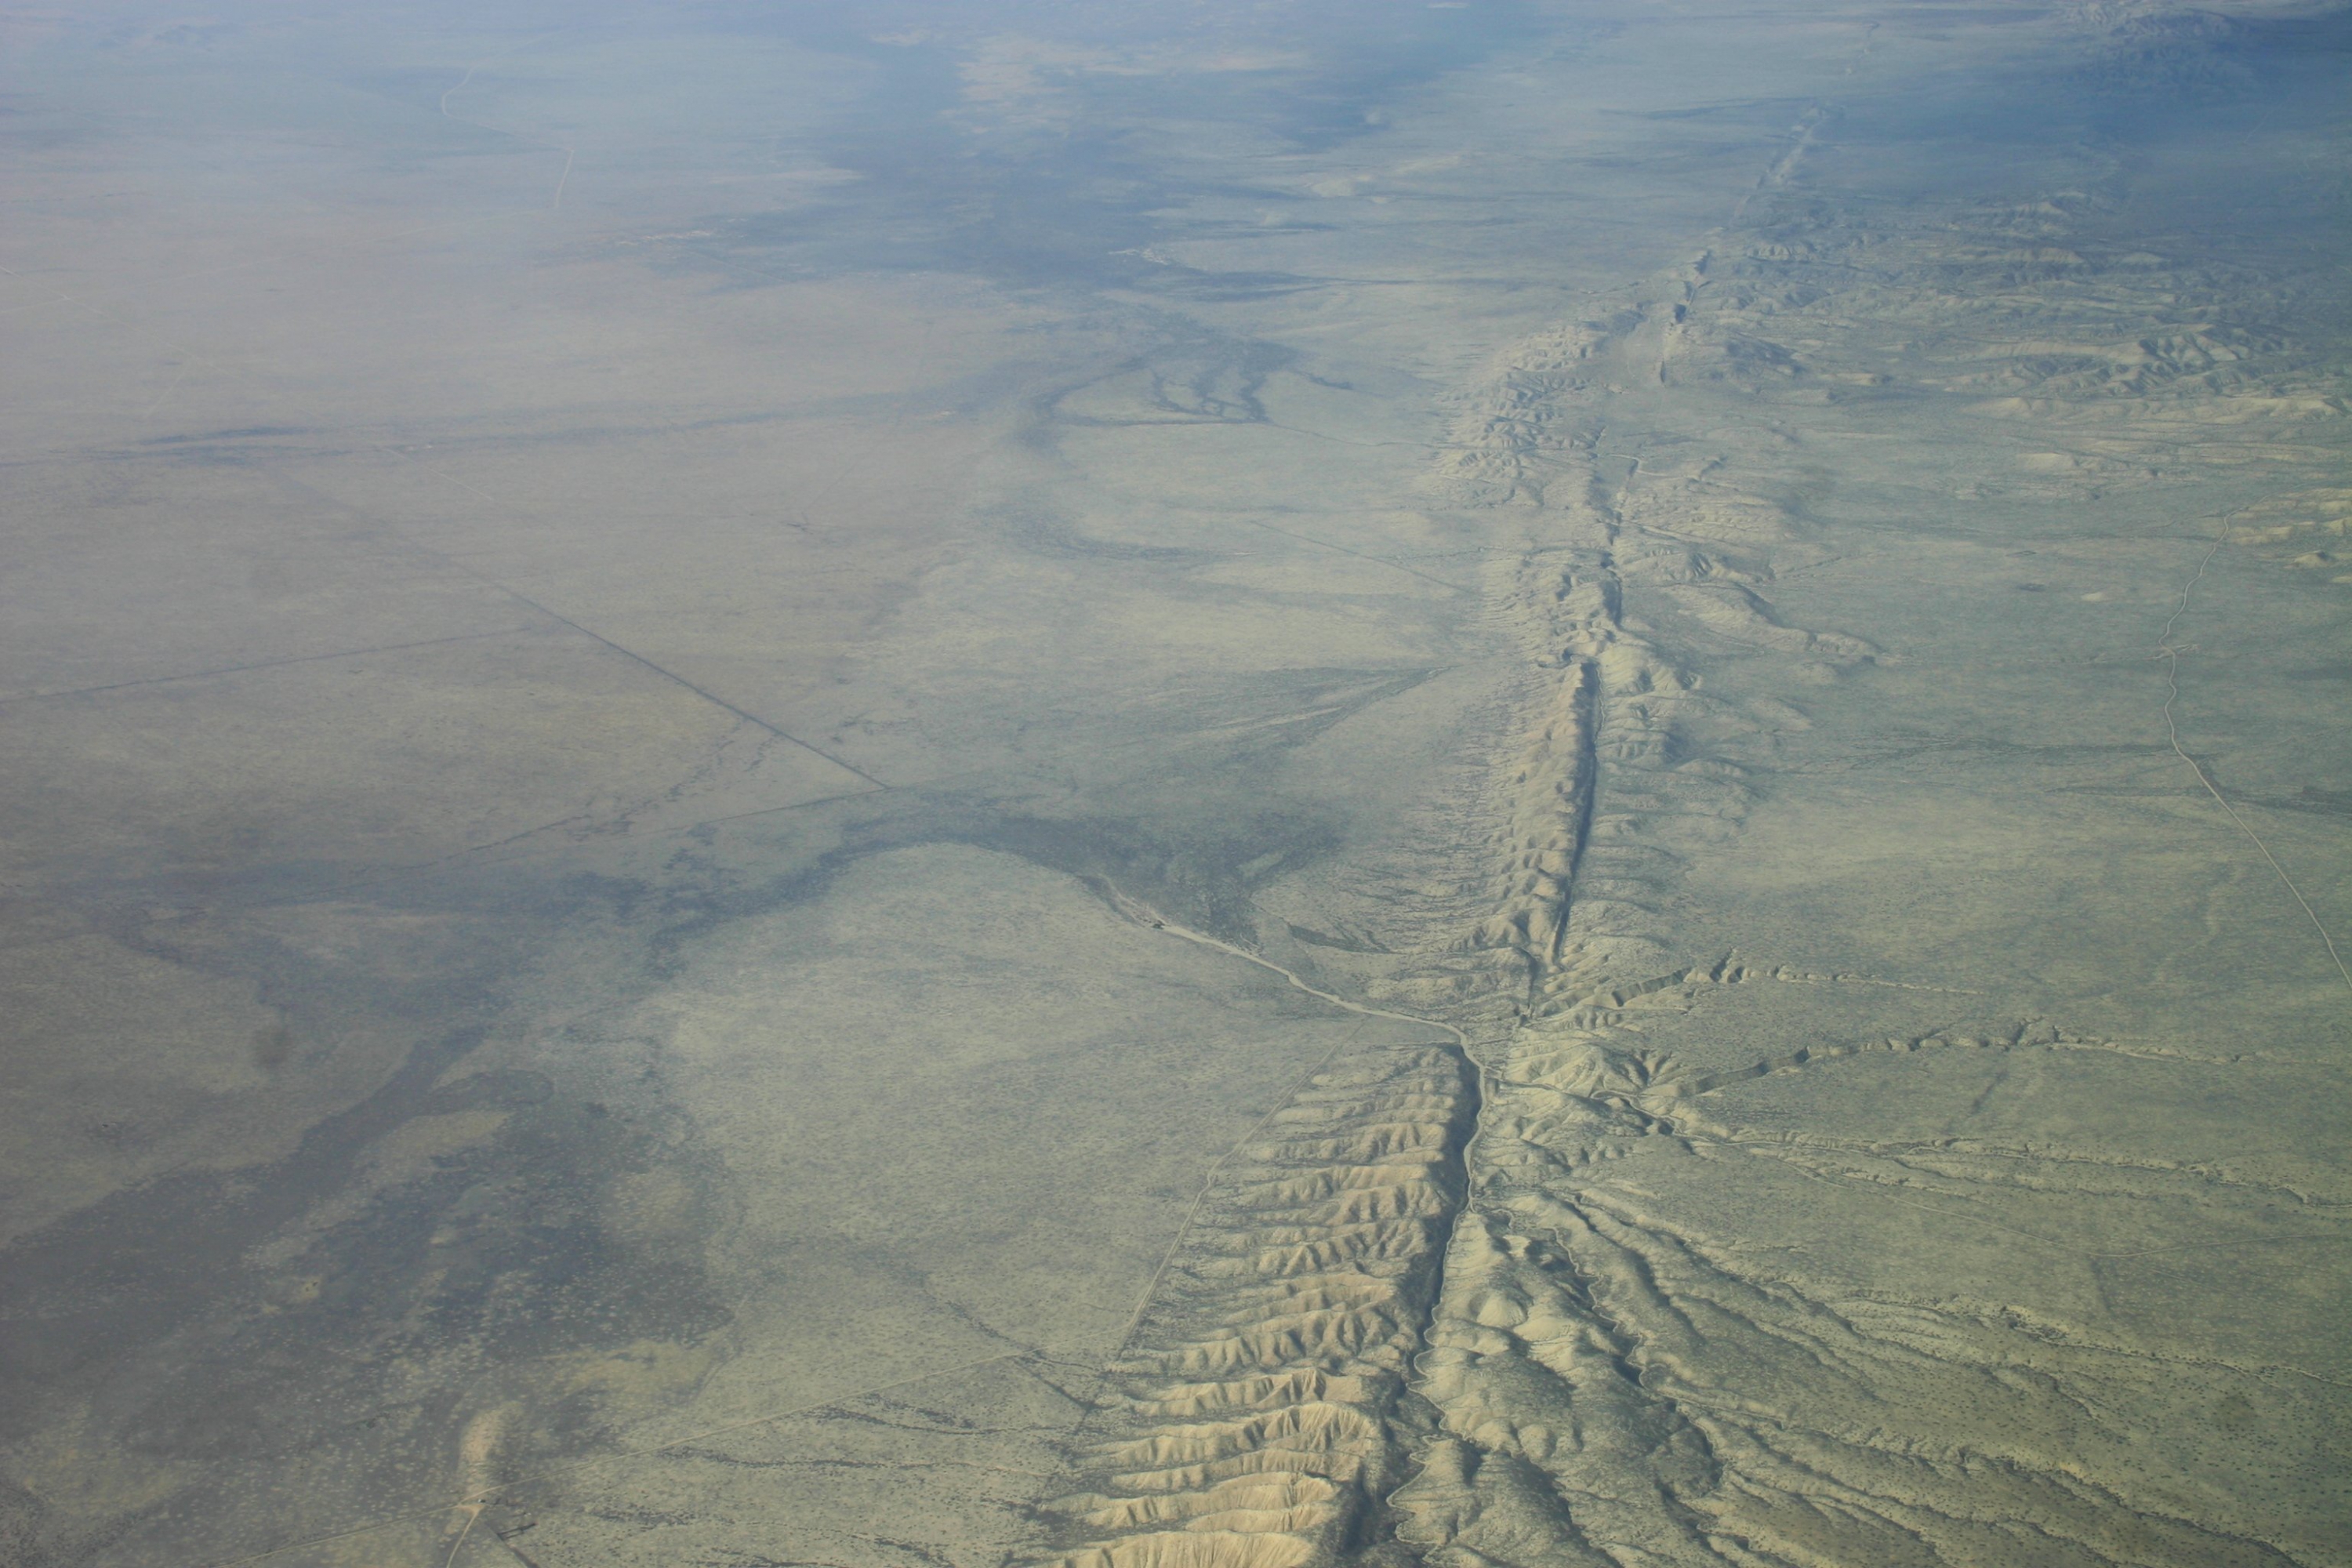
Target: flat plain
[(1204, 786)]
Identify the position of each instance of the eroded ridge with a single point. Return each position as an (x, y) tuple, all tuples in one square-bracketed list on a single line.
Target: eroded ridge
[(1622, 1372), (1247, 1421), (1619, 1385), (1564, 921)]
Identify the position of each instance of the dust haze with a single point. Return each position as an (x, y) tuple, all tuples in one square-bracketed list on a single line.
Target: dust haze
[(897, 785)]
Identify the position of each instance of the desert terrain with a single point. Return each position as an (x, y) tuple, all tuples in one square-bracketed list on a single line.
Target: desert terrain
[(884, 785)]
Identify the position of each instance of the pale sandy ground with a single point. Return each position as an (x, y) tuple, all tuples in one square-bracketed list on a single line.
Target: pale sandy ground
[(973, 784)]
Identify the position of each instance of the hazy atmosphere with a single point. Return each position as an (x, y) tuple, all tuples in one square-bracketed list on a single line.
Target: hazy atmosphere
[(880, 783)]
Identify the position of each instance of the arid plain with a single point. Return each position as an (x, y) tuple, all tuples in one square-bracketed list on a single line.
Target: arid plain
[(1195, 786)]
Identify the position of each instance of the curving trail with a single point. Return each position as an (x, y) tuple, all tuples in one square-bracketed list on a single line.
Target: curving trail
[(1143, 914), (555, 201), (2171, 657)]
